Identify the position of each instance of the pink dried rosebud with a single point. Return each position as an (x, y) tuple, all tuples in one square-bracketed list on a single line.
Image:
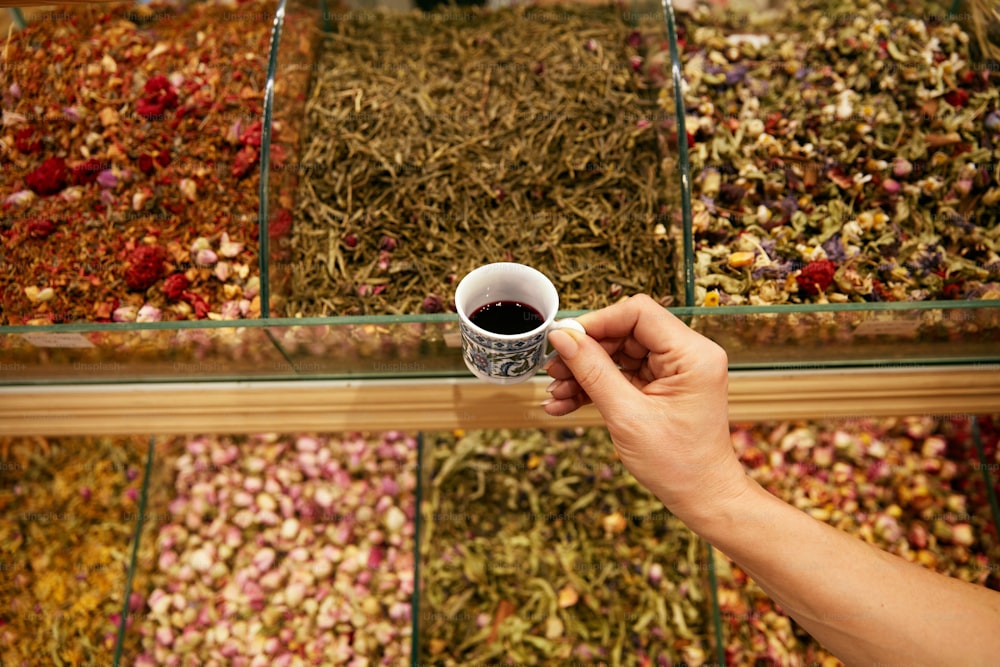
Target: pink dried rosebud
[(351, 240), (934, 446), (387, 243), (124, 314), (148, 313), (891, 186), (107, 179), (432, 304), (634, 39), (206, 258), (655, 573), (635, 62), (590, 45), (20, 198), (642, 124), (902, 167)]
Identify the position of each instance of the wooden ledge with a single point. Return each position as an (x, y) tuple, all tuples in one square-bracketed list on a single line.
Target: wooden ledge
[(236, 407)]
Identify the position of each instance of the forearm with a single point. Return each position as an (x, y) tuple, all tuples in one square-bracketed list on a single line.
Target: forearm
[(863, 604)]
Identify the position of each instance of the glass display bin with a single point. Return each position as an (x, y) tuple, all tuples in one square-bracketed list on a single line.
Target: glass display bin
[(248, 221), (447, 547)]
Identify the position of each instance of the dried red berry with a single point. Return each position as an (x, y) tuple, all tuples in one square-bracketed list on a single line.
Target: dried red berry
[(87, 172), (40, 228), (49, 178), (816, 276), (145, 267), (175, 286)]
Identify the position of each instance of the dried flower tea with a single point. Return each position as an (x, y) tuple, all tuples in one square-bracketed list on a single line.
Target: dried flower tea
[(69, 509), (847, 148), (440, 142), (124, 155), (539, 548), (299, 548), (910, 486)]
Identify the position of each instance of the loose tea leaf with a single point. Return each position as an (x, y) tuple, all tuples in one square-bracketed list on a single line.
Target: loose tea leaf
[(440, 142), (538, 547), (842, 132)]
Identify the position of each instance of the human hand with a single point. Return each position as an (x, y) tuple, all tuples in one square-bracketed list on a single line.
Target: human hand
[(662, 390)]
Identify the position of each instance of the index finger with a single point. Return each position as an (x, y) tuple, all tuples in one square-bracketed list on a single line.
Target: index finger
[(641, 318)]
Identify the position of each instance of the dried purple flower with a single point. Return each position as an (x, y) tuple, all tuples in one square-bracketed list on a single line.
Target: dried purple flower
[(432, 304)]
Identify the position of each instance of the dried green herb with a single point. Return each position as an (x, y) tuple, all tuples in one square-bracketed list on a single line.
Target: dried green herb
[(440, 142), (538, 547)]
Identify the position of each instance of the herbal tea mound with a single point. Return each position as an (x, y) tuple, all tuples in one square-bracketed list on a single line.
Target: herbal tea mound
[(844, 153), (539, 548), (440, 142)]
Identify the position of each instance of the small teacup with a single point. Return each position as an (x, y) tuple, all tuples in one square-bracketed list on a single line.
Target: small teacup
[(506, 311)]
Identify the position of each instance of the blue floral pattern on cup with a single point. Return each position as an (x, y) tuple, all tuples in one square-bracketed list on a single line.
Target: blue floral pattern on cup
[(502, 358)]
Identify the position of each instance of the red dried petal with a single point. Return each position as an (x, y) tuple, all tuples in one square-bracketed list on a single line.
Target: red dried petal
[(198, 303), (87, 172), (49, 178), (252, 135), (159, 97), (146, 163), (145, 267), (280, 224), (957, 98), (25, 140), (816, 276), (175, 286), (40, 228), (244, 162)]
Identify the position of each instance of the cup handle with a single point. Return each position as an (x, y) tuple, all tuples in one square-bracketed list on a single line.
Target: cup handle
[(561, 324)]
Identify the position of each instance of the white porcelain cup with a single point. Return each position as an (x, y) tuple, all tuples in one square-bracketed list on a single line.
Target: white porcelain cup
[(507, 358)]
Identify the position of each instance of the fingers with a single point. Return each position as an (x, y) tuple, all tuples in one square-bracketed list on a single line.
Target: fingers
[(595, 372), (648, 324)]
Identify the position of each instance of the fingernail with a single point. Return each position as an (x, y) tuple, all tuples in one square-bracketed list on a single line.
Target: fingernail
[(547, 401), (552, 385), (565, 342)]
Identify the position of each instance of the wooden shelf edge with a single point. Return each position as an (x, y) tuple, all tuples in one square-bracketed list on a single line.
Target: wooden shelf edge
[(170, 409)]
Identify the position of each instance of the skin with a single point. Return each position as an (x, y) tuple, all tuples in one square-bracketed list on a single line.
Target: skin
[(662, 391)]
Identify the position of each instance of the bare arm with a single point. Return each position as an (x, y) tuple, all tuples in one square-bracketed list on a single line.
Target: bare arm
[(863, 604), (662, 390)]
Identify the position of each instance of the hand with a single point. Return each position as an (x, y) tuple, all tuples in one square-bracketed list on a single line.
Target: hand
[(662, 390)]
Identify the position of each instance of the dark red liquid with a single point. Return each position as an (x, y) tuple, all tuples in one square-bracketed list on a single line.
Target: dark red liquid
[(507, 318)]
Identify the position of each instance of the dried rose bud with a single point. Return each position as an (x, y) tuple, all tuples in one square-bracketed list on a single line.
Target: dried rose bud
[(590, 45), (635, 62), (387, 243), (148, 313), (539, 68), (351, 240), (992, 121), (432, 304), (634, 39), (902, 167)]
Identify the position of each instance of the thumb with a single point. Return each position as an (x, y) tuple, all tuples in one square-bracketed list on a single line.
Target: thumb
[(593, 369)]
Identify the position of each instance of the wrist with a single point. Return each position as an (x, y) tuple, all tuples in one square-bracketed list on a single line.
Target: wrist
[(719, 504)]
